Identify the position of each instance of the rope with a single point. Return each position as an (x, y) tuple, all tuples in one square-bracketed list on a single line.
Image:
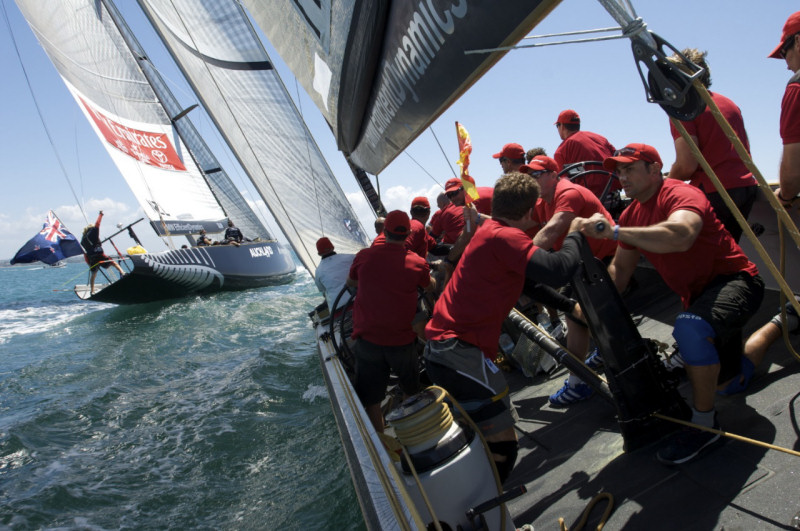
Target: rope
[(783, 215), (380, 470), (588, 509), (728, 434)]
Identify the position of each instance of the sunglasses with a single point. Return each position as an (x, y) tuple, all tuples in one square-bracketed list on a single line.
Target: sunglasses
[(627, 152), (538, 173), (787, 46), (453, 193)]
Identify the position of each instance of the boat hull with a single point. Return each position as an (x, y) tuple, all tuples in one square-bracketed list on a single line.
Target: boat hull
[(196, 270)]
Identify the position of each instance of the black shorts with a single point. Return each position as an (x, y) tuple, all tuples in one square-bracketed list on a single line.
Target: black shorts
[(374, 364), (102, 259), (727, 304), (472, 379)]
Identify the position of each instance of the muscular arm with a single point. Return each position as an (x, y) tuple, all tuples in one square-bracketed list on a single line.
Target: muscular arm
[(685, 164), (552, 231), (790, 171), (622, 267), (677, 234)]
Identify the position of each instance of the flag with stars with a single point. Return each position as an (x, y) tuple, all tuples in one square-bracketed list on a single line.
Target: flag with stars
[(53, 243)]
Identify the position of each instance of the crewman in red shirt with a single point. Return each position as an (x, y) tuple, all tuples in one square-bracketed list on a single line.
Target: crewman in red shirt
[(419, 241), (511, 157), (464, 330), (707, 134), (581, 146), (560, 203), (387, 277), (451, 221), (789, 50), (673, 225)]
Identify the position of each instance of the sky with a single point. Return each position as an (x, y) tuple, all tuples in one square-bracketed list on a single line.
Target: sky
[(516, 101)]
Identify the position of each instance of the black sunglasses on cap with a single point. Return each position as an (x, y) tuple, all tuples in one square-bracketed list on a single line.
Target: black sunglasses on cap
[(628, 151)]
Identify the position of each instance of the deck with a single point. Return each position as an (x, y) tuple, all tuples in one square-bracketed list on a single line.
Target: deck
[(567, 456)]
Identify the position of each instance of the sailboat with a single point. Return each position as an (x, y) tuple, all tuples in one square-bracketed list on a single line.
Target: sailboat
[(178, 182), (380, 73)]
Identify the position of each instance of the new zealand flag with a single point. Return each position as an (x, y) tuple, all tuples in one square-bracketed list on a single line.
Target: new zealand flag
[(53, 243)]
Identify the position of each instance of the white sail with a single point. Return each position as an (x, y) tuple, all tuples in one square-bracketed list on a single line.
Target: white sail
[(221, 55), (98, 67)]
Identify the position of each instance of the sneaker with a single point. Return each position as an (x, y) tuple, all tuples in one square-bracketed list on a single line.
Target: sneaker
[(687, 444), (791, 318), (595, 361), (567, 395)]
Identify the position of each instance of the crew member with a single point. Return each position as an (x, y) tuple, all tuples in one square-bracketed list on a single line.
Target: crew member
[(331, 273), (582, 146), (716, 149), (387, 277), (464, 331), (673, 225), (788, 49)]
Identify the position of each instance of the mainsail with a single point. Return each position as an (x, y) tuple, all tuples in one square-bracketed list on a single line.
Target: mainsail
[(382, 71), (106, 79), (224, 60)]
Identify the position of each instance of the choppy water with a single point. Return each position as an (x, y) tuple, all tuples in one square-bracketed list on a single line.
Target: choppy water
[(207, 413)]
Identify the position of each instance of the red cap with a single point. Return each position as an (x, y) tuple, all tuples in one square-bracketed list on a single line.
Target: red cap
[(397, 223), (539, 163), (421, 202), (791, 27), (324, 246), (452, 185), (511, 151), (568, 117), (632, 153)]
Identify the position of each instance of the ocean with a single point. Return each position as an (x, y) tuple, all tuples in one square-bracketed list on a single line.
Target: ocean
[(202, 413)]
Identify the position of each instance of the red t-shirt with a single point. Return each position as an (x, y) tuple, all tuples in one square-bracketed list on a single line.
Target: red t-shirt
[(569, 197), (485, 285), (717, 149), (790, 112), (713, 253), (419, 241), (380, 239), (584, 146), (388, 276), (449, 224), (484, 202)]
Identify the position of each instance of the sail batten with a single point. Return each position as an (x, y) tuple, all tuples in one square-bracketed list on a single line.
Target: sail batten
[(215, 46)]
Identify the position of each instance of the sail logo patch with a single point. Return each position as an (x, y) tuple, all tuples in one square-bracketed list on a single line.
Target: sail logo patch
[(149, 147), (257, 252)]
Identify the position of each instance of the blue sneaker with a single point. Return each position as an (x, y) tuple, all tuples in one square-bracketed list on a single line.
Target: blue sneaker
[(567, 395), (595, 361)]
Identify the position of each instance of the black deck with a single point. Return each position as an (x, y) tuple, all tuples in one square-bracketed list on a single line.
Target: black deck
[(568, 455)]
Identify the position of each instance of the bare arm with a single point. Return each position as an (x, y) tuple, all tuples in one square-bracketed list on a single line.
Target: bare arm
[(790, 172), (553, 230), (622, 267), (675, 235), (351, 283), (685, 164)]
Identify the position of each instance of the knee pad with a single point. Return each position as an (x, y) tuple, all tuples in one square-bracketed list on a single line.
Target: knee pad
[(692, 333), (508, 449)]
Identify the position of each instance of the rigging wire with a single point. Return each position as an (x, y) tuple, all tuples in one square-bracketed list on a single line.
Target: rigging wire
[(443, 153), (39, 113)]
